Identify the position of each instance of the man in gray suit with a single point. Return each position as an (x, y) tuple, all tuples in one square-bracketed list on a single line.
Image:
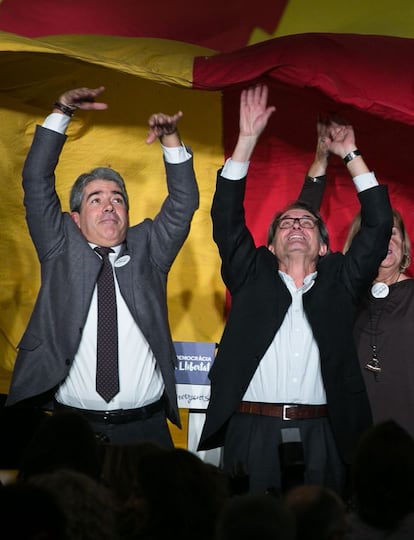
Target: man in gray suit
[(56, 362)]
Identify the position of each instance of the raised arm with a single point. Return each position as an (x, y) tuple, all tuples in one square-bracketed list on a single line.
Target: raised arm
[(227, 210), (43, 210), (320, 163), (172, 223), (79, 98), (341, 142), (334, 137), (164, 127), (314, 184), (254, 115)]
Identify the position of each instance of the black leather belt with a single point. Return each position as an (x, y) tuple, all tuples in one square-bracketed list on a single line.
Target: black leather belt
[(289, 411), (118, 416)]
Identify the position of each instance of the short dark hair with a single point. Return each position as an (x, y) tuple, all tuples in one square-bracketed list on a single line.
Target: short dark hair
[(100, 173), (300, 205)]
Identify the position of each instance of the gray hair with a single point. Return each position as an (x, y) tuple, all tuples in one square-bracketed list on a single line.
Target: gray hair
[(100, 173)]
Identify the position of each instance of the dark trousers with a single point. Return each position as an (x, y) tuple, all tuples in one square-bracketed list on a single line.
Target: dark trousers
[(253, 444), (153, 429)]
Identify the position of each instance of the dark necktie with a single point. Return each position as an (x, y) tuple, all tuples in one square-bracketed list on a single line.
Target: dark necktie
[(107, 378)]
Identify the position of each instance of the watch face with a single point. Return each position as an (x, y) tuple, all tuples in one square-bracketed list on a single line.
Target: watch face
[(353, 154)]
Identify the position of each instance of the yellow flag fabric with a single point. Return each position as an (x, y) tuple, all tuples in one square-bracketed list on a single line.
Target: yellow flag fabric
[(134, 72)]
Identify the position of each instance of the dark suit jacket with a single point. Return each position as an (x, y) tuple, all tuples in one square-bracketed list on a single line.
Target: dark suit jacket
[(69, 270), (260, 301), (312, 191)]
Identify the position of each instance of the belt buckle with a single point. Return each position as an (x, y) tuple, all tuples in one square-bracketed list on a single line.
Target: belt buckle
[(284, 411)]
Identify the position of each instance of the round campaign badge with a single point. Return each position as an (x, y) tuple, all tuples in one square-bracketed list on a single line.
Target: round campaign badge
[(380, 290), (122, 261)]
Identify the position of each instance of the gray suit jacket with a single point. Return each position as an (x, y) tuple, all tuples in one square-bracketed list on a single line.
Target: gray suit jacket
[(69, 270)]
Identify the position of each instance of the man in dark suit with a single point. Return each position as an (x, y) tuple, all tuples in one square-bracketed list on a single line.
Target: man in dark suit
[(286, 387), (57, 358)]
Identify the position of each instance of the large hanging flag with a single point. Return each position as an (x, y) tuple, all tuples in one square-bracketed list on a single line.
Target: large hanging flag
[(222, 26), (362, 78)]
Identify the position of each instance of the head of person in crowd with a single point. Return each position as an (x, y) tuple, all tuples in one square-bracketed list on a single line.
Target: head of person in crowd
[(30, 512), (181, 493), (383, 475), (253, 516), (86, 504), (121, 465), (320, 514), (398, 258), (63, 440)]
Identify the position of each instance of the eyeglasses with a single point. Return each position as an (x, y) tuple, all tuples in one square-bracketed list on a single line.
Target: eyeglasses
[(305, 222)]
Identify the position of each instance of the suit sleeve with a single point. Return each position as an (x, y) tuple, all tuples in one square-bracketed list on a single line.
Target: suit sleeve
[(370, 244), (43, 208), (172, 224), (234, 240), (312, 191)]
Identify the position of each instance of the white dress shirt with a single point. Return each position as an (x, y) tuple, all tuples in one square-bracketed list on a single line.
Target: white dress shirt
[(290, 371)]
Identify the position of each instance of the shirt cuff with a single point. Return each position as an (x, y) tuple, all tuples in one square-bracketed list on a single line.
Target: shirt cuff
[(365, 181), (175, 154), (57, 122), (235, 170)]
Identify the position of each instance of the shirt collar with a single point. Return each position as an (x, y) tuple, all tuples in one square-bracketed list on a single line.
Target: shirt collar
[(307, 282), (116, 249)]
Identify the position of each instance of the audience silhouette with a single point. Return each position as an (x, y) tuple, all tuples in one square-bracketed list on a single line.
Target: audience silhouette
[(62, 441), (255, 517), (86, 504), (320, 514), (29, 512), (383, 484), (69, 486)]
